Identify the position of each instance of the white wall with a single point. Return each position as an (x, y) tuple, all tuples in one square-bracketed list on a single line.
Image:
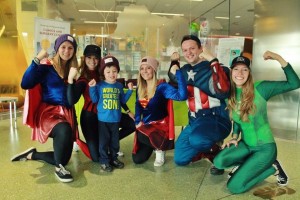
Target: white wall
[(277, 28)]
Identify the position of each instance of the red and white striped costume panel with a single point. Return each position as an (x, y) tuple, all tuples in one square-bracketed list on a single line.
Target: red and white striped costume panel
[(198, 100)]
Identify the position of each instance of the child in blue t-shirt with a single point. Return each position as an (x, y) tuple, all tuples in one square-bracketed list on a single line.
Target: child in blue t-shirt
[(109, 94)]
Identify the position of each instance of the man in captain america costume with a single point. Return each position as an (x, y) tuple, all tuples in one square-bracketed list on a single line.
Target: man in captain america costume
[(208, 86)]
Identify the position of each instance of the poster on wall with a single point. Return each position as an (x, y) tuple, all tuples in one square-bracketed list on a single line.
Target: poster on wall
[(45, 33), (229, 48)]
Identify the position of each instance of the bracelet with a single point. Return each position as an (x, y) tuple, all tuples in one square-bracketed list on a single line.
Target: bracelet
[(127, 111), (36, 60)]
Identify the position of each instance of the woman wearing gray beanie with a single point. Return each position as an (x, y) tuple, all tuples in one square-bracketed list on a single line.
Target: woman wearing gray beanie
[(49, 114)]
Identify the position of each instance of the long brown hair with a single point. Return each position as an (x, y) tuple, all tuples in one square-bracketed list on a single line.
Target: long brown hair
[(85, 72), (246, 106)]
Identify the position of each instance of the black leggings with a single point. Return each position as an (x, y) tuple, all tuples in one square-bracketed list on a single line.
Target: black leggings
[(89, 127), (145, 149), (62, 145), (127, 126)]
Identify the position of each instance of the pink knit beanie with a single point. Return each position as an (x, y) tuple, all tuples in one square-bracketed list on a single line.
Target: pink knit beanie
[(150, 61)]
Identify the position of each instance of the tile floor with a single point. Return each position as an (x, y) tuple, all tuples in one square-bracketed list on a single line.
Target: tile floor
[(35, 180)]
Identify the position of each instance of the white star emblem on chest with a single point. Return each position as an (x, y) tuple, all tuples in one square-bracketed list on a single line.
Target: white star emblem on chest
[(191, 75), (193, 114)]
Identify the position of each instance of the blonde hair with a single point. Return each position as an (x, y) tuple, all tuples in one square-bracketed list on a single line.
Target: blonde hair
[(246, 106), (142, 87)]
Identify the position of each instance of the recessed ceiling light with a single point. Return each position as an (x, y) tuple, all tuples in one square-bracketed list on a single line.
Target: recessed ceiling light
[(98, 22), (222, 17), (100, 11), (168, 14), (237, 16)]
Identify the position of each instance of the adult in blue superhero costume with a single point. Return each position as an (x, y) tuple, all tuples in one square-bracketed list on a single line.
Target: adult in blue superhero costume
[(49, 114), (208, 86)]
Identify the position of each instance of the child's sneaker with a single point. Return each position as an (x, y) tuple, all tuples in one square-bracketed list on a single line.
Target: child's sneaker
[(63, 175), (282, 178), (117, 164), (120, 154), (106, 168)]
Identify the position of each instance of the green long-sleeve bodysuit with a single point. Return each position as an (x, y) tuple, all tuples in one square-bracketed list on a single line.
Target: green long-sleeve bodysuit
[(256, 151)]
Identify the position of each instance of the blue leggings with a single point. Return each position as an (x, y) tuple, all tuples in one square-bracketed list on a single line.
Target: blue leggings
[(255, 164), (199, 136)]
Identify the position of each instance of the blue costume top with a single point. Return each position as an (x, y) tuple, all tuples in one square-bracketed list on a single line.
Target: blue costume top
[(200, 76), (157, 106), (47, 103), (54, 88), (202, 92), (208, 86), (109, 98)]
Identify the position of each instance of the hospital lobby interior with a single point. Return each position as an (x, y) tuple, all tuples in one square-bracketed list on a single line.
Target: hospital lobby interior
[(129, 30)]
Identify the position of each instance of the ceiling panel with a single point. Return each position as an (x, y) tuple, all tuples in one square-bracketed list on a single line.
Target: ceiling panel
[(193, 11)]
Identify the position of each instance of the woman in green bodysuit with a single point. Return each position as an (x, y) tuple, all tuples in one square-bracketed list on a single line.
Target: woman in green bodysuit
[(255, 153)]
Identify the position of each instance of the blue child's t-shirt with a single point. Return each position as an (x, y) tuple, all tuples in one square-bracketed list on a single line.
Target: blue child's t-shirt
[(109, 97)]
